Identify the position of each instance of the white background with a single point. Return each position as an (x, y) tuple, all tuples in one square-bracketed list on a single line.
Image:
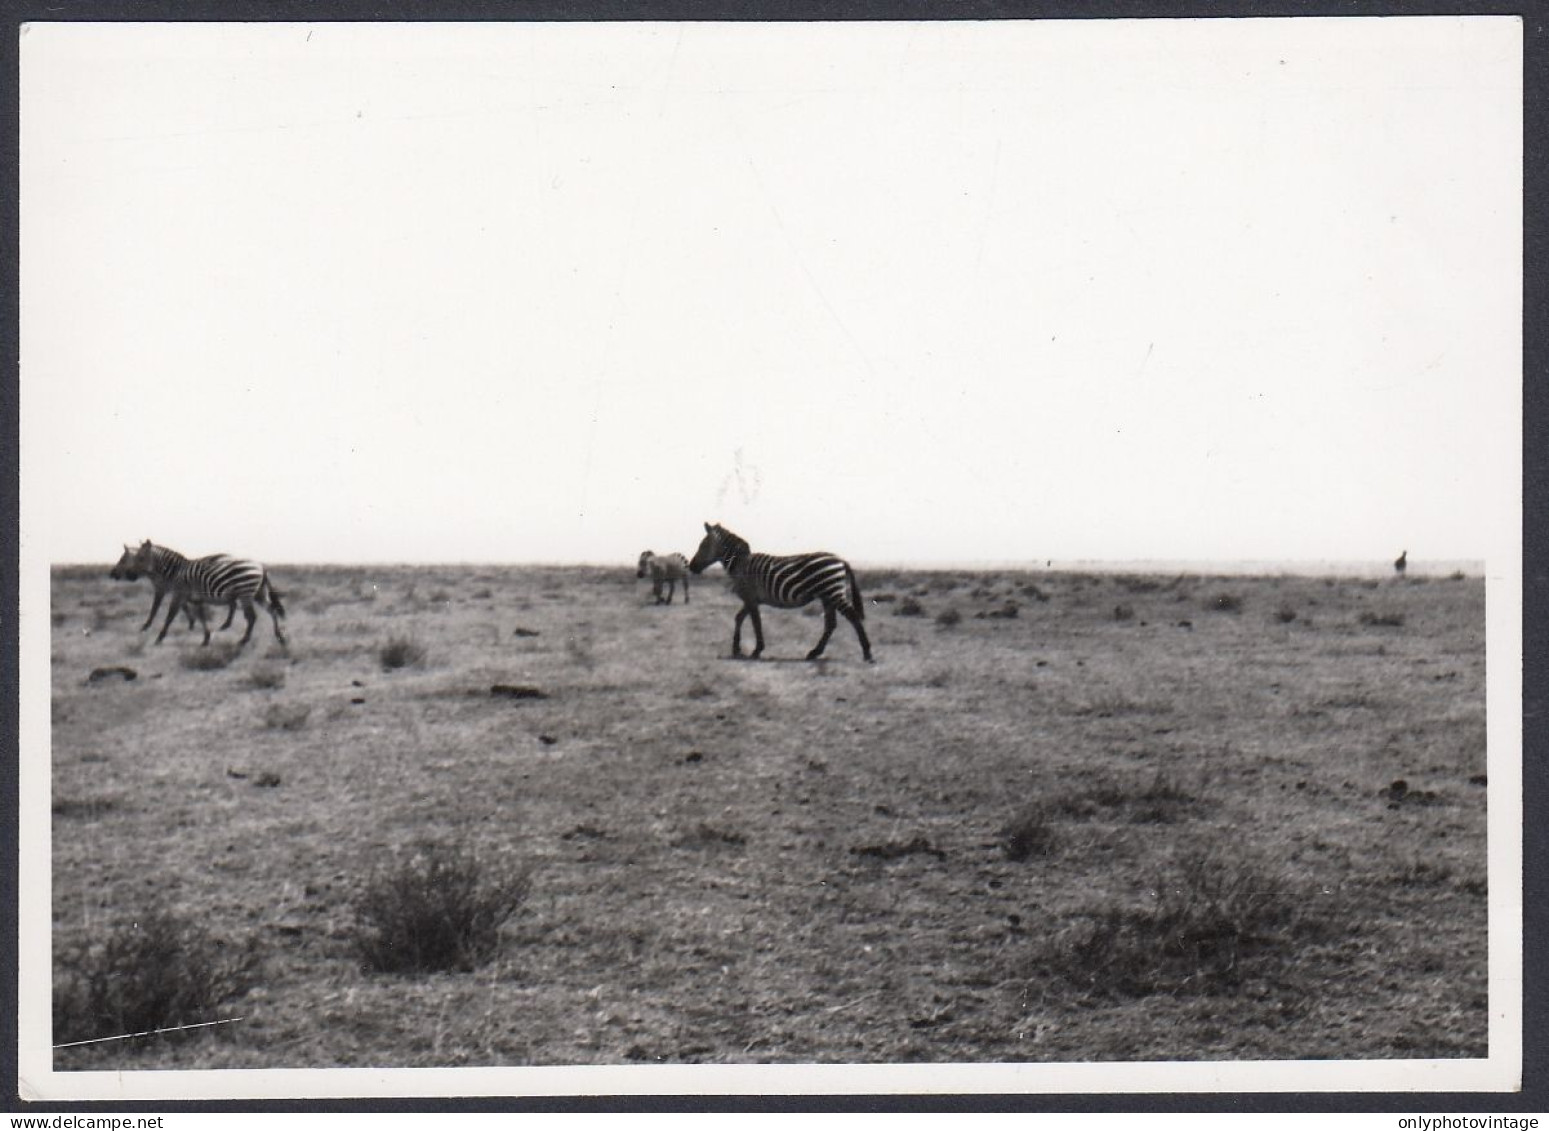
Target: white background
[(1207, 290)]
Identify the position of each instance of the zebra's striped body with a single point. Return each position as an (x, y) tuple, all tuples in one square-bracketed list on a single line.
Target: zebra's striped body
[(666, 570), (125, 571), (218, 579), (783, 583)]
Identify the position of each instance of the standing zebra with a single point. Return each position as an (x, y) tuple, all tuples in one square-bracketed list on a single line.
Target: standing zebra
[(1401, 564), (218, 579), (783, 583), (666, 569)]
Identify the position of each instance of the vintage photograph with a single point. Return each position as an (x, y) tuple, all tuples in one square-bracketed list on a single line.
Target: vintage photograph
[(941, 556)]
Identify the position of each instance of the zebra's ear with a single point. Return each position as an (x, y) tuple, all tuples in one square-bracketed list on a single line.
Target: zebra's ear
[(707, 528)]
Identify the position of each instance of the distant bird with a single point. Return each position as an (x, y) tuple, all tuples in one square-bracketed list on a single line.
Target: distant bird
[(1401, 564)]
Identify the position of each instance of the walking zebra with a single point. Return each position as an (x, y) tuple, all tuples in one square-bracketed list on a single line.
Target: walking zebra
[(665, 569), (217, 579), (783, 583), (1402, 564), (125, 571)]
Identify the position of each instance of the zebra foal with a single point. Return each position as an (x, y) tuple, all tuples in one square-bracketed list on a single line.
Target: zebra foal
[(218, 579), (665, 570), (783, 583)]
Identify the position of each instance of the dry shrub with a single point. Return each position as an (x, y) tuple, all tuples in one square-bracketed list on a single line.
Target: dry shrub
[(286, 716), (909, 607), (158, 972), (1030, 833), (437, 910), (949, 618), (209, 658), (270, 677), (1217, 923), (1226, 603), (1382, 620), (401, 652)]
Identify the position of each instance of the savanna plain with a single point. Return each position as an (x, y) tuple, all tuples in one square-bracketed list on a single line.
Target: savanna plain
[(1063, 817)]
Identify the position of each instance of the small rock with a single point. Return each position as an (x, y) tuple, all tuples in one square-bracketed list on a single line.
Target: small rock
[(99, 674), (525, 632)]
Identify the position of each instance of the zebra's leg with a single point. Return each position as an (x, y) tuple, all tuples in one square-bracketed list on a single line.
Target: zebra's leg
[(172, 611), (758, 632), (860, 632), (736, 633), (274, 615), (672, 588), (231, 612), (252, 619), (198, 606), (685, 590), (155, 604), (829, 620)]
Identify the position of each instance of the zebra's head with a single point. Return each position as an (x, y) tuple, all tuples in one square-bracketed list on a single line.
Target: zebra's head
[(125, 570), (645, 563), (717, 541)]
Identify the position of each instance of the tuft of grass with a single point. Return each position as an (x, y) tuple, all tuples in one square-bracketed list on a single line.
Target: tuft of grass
[(401, 652), (1285, 614), (909, 607), (1225, 603), (1123, 613), (1030, 833), (1382, 620), (437, 910), (949, 618), (209, 658), (286, 716), (157, 972), (581, 652), (1216, 924), (270, 677)]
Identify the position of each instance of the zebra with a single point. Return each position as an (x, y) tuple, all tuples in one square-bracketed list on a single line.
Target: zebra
[(668, 569), (783, 583), (217, 579), (125, 571), (1401, 564)]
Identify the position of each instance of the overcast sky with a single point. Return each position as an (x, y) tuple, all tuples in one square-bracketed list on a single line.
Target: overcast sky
[(1231, 289)]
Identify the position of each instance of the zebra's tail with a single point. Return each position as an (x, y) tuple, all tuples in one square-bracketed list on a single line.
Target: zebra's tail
[(855, 593), (272, 597)]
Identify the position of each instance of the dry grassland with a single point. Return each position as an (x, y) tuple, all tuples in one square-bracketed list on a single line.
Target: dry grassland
[(1141, 818)]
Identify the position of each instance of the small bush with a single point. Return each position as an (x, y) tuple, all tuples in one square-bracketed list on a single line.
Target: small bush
[(1216, 924), (1028, 834), (1382, 620), (159, 972), (209, 658), (270, 677), (437, 910), (949, 618), (286, 716), (1226, 603), (1123, 613), (400, 652), (909, 607), (1285, 614)]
